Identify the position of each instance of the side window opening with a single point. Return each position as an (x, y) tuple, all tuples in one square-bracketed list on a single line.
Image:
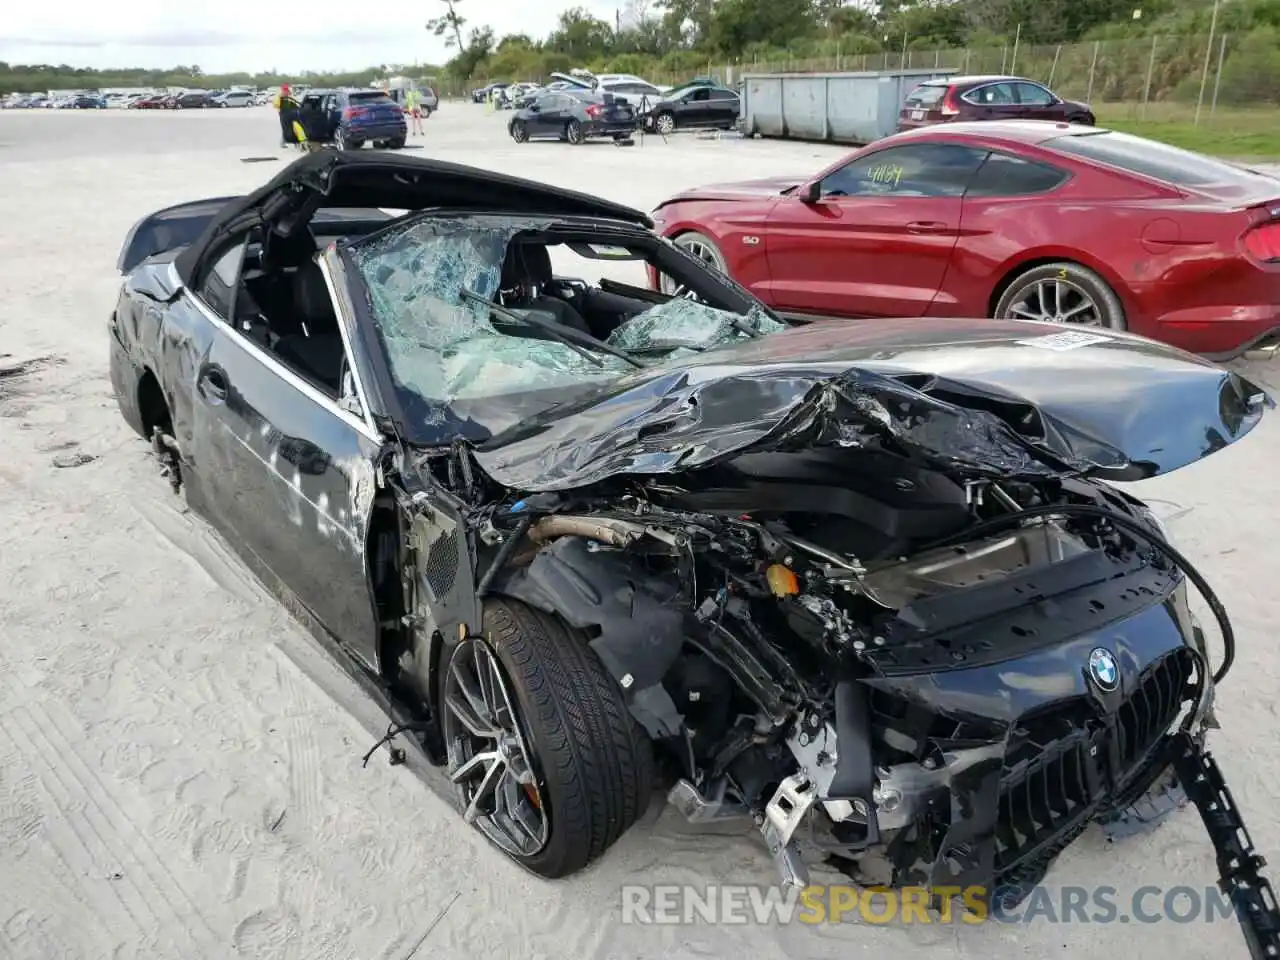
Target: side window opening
[(281, 304), (218, 289)]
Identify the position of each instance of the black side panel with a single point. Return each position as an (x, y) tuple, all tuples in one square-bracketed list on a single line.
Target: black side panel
[(168, 229)]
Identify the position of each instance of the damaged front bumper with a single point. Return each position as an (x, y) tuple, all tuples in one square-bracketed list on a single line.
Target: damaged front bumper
[(1239, 864)]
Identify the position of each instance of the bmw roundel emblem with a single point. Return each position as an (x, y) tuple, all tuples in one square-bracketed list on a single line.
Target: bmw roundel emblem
[(1104, 670)]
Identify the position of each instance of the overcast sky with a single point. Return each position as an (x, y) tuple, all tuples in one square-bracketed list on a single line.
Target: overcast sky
[(232, 35)]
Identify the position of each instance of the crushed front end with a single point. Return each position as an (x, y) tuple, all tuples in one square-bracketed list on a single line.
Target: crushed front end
[(951, 716)]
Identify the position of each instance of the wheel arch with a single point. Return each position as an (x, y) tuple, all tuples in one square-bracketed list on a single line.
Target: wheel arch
[(1030, 259), (153, 406), (624, 613)]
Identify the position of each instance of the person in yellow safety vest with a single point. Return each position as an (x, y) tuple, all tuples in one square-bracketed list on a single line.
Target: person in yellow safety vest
[(287, 108), (413, 103)]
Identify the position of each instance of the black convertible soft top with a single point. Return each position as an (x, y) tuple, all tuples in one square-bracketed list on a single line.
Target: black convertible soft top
[(375, 179)]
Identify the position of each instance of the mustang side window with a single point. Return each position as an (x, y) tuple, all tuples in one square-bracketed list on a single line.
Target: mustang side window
[(919, 170), (1008, 176)]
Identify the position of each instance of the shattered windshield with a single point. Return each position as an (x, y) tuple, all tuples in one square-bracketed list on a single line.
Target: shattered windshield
[(541, 330)]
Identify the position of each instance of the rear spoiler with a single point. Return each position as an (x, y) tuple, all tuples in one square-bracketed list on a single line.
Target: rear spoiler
[(168, 229)]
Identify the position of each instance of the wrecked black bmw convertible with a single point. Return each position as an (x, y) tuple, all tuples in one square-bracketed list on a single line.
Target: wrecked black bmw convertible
[(868, 583)]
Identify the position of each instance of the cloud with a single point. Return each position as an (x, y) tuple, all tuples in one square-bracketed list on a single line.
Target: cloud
[(322, 35)]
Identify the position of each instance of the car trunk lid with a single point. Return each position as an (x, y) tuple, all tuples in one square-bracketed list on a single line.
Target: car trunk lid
[(924, 104), (377, 108), (613, 109)]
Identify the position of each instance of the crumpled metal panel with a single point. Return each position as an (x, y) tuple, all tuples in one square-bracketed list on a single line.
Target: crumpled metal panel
[(1016, 401)]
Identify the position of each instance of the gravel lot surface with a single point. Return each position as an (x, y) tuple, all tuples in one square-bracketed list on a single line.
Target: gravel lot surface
[(180, 765)]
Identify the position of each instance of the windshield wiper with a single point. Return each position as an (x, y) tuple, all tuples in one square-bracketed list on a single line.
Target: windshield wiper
[(571, 338)]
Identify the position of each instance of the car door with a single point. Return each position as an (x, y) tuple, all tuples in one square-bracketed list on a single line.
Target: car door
[(288, 465), (332, 109), (992, 101), (877, 239), (724, 108), (555, 112), (1038, 103), (694, 109)]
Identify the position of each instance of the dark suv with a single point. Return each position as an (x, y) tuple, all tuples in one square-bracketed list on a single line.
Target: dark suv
[(351, 118), (987, 98)]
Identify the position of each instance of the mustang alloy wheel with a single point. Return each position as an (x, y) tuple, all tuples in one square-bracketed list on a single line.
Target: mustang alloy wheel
[(547, 761), (665, 124), (573, 133), (1062, 293), (518, 132), (702, 247)]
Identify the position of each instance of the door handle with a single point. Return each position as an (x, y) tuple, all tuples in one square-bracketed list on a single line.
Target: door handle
[(212, 384), (926, 226)]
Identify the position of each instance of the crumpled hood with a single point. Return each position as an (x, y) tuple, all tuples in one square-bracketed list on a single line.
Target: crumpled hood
[(973, 398), (740, 190)]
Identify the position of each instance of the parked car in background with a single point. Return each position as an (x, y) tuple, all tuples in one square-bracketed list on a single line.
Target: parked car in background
[(575, 116), (528, 96), (232, 98), (481, 94), (987, 98), (516, 95), (700, 106), (88, 101), (192, 99), (153, 102), (351, 118), (1014, 219)]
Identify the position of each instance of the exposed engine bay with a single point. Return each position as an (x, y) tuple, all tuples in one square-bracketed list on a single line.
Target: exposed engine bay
[(919, 679)]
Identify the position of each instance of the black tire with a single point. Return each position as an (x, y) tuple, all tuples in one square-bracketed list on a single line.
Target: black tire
[(396, 143), (1082, 281), (519, 133), (594, 763), (573, 133)]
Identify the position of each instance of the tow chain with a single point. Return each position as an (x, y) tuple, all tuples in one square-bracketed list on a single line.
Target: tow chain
[(1239, 864)]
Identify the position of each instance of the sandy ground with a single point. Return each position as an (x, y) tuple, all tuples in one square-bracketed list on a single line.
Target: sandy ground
[(179, 764)]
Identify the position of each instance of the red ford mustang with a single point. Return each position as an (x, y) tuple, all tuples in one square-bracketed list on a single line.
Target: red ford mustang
[(1017, 219)]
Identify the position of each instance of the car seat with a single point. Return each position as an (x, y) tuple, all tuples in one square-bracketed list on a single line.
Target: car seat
[(317, 352), (527, 281)]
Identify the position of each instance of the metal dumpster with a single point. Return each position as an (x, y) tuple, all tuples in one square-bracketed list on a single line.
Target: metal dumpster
[(842, 107)]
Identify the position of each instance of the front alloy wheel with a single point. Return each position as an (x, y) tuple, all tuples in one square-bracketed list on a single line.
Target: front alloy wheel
[(490, 763), (665, 124), (547, 761), (340, 139), (518, 132)]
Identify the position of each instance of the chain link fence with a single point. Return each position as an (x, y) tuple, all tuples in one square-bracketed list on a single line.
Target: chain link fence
[(1202, 79), (1187, 78)]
